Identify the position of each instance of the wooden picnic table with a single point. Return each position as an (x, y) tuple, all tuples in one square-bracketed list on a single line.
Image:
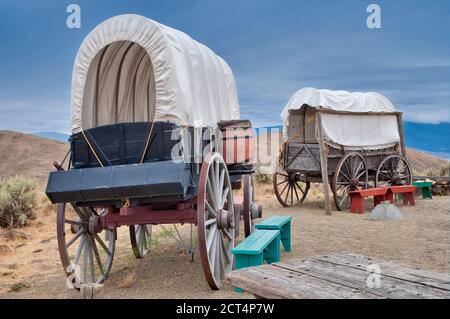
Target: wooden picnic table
[(340, 276)]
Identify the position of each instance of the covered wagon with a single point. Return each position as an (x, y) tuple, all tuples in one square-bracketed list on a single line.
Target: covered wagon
[(346, 140), (153, 111)]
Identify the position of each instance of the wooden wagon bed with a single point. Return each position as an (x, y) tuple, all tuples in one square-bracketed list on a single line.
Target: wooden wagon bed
[(338, 276)]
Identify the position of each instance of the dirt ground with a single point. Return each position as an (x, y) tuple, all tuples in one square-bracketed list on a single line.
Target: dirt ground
[(30, 268)]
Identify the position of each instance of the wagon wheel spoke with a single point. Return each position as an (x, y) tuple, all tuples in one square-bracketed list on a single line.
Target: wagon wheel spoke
[(342, 184), (147, 231), (388, 169), (300, 188), (344, 197), (212, 250), (284, 189), (210, 209), (224, 197), (97, 258), (84, 262), (351, 173), (222, 179), (287, 193), (210, 222), (282, 182), (220, 258), (345, 176), (358, 170), (292, 194), (227, 234), (210, 194), (74, 238), (102, 244), (346, 172), (143, 238), (295, 189), (79, 212), (75, 222), (385, 175), (224, 250), (211, 235), (91, 260), (80, 249)]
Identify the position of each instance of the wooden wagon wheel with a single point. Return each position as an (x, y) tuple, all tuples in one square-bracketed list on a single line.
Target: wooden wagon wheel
[(215, 220), (351, 174), (140, 237), (289, 188), (86, 258), (251, 210), (393, 170)]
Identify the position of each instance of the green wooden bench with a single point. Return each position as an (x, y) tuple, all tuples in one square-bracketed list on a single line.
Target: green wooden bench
[(262, 245), (281, 223), (426, 189)]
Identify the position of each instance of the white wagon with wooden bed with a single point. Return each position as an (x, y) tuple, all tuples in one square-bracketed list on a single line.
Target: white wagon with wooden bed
[(345, 140)]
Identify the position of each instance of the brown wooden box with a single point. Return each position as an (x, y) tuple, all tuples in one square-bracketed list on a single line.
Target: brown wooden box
[(237, 141)]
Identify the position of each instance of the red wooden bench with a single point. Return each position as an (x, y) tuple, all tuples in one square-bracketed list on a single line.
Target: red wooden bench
[(357, 198), (407, 192)]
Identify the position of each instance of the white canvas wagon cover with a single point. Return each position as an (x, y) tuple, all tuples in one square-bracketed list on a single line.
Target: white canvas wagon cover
[(131, 68), (373, 124)]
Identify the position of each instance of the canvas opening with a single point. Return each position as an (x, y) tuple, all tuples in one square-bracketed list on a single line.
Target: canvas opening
[(120, 86)]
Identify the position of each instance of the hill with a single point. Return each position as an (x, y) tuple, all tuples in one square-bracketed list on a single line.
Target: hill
[(28, 155), (422, 162), (55, 136)]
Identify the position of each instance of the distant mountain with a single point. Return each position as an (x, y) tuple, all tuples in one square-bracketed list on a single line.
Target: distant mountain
[(54, 136), (431, 138)]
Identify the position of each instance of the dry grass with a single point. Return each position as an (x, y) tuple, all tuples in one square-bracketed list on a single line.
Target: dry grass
[(126, 280)]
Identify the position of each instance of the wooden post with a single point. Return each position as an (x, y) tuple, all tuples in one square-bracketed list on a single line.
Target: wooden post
[(400, 132), (323, 164)]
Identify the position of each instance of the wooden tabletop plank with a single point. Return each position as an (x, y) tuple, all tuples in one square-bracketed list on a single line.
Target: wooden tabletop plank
[(339, 276), (357, 279), (274, 283), (394, 270)]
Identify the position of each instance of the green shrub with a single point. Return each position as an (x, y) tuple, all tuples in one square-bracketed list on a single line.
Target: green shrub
[(262, 178), (17, 201), (445, 170), (430, 172)]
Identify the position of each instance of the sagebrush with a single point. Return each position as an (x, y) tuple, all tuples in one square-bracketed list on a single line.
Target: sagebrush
[(17, 201), (445, 170)]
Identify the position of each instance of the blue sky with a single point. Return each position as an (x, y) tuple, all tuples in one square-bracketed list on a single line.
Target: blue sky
[(274, 48)]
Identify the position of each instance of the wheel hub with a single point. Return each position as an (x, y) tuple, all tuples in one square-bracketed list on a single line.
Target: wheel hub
[(255, 210), (225, 219), (354, 183), (94, 226)]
